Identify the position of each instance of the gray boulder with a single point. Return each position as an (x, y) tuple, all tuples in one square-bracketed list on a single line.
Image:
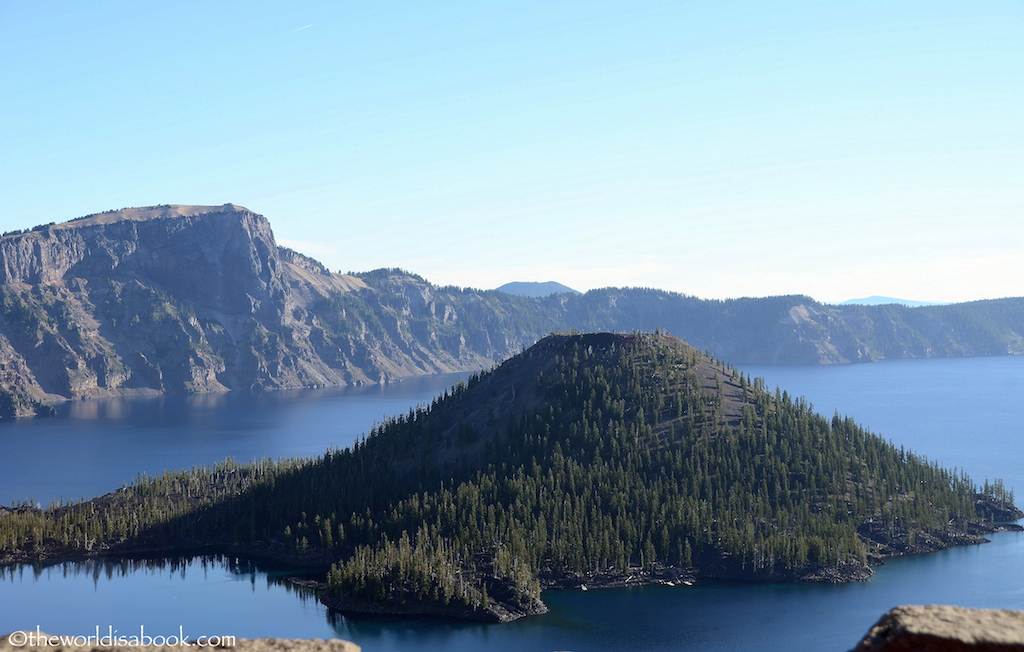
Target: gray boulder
[(936, 628)]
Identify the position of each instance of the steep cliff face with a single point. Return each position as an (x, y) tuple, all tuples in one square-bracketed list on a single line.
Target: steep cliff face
[(222, 257), (179, 299), (398, 324), (201, 298)]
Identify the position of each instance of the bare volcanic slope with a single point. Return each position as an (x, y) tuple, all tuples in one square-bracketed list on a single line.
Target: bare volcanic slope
[(596, 459)]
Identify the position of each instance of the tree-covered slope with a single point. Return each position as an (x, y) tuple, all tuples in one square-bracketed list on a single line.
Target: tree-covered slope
[(586, 459)]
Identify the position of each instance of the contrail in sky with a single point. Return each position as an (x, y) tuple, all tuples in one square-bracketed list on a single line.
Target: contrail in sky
[(299, 29)]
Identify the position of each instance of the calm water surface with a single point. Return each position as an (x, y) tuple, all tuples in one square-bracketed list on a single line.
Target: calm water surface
[(966, 413), (91, 447)]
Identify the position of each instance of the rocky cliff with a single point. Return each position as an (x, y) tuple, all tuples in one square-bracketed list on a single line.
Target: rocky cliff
[(170, 298), (200, 298)]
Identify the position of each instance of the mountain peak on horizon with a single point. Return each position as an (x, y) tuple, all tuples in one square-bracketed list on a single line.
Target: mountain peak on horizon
[(536, 289), (875, 300)]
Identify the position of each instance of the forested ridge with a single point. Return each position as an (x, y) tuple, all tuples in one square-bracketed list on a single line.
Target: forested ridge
[(792, 329), (586, 458)]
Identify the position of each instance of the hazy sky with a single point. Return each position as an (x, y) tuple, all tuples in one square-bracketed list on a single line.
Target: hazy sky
[(720, 149)]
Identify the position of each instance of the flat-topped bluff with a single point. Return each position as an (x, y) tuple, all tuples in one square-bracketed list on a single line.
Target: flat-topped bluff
[(151, 212), (177, 246), (153, 243), (223, 258), (143, 301)]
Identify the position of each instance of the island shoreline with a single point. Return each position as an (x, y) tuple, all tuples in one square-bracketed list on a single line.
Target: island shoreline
[(302, 570)]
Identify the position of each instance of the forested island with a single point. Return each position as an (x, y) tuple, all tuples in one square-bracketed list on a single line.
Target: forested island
[(591, 460)]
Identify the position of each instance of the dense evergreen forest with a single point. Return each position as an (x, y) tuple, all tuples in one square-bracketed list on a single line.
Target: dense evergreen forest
[(586, 458)]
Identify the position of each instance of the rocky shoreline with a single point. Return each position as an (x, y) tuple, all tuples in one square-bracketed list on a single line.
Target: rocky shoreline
[(495, 612), (503, 608), (505, 605), (659, 574)]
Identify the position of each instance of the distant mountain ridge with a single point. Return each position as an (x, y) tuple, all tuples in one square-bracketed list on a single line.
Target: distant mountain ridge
[(875, 300), (535, 289), (201, 298)]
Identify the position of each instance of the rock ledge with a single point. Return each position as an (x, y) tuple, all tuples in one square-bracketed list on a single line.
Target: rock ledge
[(936, 628)]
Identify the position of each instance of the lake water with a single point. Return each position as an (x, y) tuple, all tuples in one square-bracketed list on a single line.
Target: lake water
[(91, 447), (961, 412)]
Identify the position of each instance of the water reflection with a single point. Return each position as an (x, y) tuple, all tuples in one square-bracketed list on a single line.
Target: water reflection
[(182, 567), (174, 565)]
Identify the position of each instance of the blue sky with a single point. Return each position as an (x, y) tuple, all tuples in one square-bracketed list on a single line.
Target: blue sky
[(719, 149)]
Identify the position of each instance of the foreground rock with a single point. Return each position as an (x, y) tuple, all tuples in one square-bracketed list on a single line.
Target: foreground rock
[(53, 644), (936, 628)]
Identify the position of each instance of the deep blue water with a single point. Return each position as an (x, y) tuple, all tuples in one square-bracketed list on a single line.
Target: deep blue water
[(961, 412), (91, 447)]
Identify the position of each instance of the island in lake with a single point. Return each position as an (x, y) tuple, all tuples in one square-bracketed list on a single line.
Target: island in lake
[(588, 460)]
